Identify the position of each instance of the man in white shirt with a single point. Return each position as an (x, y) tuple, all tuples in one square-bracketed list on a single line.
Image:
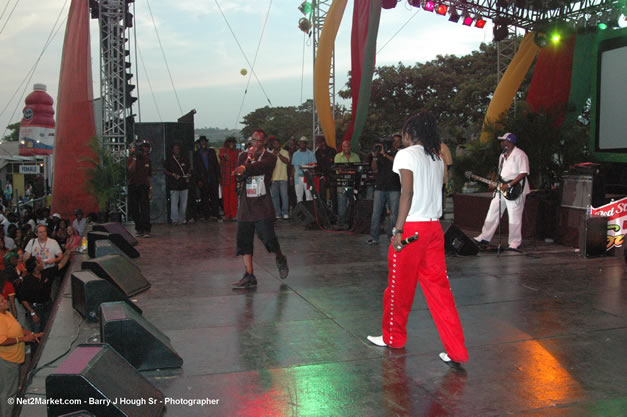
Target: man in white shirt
[(513, 169), (80, 223), (422, 260), (47, 250)]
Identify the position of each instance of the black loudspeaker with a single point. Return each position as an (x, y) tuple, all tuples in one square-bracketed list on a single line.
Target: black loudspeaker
[(89, 291), (136, 339), (106, 247), (81, 413), (593, 237), (120, 271), (103, 383), (362, 216), (116, 238), (455, 241), (579, 191), (115, 228), (162, 136), (304, 214)]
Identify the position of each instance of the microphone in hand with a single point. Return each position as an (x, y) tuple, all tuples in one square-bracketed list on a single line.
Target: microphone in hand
[(409, 239)]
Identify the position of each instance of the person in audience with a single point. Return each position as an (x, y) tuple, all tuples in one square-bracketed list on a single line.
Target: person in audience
[(12, 355), (60, 233), (8, 291), (3, 251), (34, 293), (80, 223), (74, 240), (46, 250), (8, 242)]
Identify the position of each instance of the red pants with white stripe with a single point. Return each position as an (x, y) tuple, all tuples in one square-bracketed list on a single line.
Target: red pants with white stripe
[(421, 261)]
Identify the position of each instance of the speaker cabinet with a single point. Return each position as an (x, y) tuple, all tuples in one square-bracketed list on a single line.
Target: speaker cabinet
[(117, 239), (305, 213), (106, 247), (89, 291), (119, 271), (455, 241), (104, 383), (115, 228), (593, 237), (136, 339), (362, 216)]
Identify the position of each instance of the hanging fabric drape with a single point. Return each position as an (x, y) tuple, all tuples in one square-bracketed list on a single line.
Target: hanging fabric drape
[(510, 83), (322, 70), (75, 118)]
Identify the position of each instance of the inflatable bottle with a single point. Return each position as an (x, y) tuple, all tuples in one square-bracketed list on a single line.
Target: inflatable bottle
[(37, 126)]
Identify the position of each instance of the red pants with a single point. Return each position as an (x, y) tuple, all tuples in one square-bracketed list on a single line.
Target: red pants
[(421, 261), (229, 198)]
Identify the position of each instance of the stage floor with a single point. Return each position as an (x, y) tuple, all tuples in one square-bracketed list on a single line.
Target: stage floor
[(545, 329)]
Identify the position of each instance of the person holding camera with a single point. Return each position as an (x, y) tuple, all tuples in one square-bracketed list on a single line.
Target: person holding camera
[(139, 188), (387, 187)]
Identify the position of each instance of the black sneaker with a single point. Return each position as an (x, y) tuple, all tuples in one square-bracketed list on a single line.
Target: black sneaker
[(281, 263), (248, 281)]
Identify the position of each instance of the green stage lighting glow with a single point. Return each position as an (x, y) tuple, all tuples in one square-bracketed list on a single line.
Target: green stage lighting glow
[(602, 26), (556, 37)]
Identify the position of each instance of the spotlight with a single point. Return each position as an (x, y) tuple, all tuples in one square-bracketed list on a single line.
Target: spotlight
[(556, 37), (540, 39), (414, 3), (304, 24), (305, 8), (442, 9), (602, 26), (500, 32), (454, 16), (429, 6), (480, 23), (467, 20)]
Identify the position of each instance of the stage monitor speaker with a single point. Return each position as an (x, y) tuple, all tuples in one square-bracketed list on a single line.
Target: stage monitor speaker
[(304, 214), (115, 228), (580, 191), (456, 241), (593, 237), (136, 339), (117, 239), (362, 216), (81, 413), (89, 291), (106, 247), (120, 271), (103, 383)]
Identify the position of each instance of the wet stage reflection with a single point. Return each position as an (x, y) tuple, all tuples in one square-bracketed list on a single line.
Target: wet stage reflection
[(546, 331)]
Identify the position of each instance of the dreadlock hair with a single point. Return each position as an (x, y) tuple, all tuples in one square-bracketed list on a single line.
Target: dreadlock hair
[(423, 128)]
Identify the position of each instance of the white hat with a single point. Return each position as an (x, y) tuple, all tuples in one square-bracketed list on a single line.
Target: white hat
[(57, 215), (303, 139)]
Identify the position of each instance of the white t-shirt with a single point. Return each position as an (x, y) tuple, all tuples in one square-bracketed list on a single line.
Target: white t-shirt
[(517, 163), (48, 250), (428, 176), (80, 227)]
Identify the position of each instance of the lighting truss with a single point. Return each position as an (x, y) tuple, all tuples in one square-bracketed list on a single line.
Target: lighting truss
[(528, 14)]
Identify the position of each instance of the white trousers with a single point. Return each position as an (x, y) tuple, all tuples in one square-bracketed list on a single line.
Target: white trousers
[(515, 214), (299, 188)]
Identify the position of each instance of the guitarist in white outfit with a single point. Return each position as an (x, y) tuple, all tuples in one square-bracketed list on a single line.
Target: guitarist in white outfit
[(514, 169)]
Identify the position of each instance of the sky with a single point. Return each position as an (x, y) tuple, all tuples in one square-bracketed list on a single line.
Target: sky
[(204, 59)]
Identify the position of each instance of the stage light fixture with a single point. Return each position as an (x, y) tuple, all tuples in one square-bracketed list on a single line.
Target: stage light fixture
[(414, 3), (556, 37), (454, 16), (429, 6), (480, 23), (442, 9), (602, 26), (305, 8), (466, 19), (500, 32), (540, 39)]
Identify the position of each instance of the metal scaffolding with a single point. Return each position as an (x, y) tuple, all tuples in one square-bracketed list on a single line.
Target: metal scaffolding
[(115, 22), (320, 9)]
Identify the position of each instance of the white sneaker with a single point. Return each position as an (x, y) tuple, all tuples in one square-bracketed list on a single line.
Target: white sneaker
[(445, 358), (286, 217), (377, 340)]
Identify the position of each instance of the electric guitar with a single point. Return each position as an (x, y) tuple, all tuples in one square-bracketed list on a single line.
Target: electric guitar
[(511, 194)]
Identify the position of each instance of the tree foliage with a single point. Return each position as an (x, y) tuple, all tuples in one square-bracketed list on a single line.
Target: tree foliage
[(14, 134), (457, 90), (282, 122)]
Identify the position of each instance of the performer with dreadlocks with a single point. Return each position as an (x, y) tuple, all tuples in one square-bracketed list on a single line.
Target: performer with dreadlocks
[(421, 171)]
